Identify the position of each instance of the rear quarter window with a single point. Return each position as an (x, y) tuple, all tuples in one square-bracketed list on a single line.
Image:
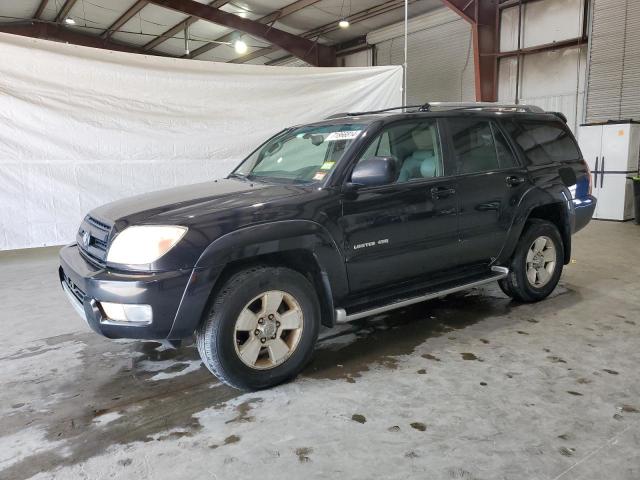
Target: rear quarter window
[(543, 142)]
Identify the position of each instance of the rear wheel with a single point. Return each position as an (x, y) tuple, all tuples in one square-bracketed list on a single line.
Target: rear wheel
[(537, 263), (261, 328)]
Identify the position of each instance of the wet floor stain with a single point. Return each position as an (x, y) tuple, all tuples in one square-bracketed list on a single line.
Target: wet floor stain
[(577, 394), (532, 320), (629, 409), (583, 381), (422, 371), (419, 426), (484, 340), (379, 340), (356, 417), (610, 372), (116, 378), (564, 436), (243, 411), (428, 356), (303, 454), (484, 384), (556, 359), (566, 452), (469, 356)]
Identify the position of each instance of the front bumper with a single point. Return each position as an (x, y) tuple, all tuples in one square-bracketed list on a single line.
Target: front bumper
[(177, 298)]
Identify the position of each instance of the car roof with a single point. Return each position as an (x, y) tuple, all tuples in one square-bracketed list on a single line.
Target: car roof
[(367, 118)]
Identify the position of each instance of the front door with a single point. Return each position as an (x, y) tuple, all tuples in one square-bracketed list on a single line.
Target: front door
[(408, 228), (490, 184)]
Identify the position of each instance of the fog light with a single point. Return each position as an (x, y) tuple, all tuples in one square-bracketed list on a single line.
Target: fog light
[(127, 314)]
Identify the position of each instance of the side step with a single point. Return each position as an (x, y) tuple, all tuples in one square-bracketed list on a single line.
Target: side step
[(342, 316)]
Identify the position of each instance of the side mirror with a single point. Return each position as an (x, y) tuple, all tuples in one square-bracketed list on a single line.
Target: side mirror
[(375, 171)]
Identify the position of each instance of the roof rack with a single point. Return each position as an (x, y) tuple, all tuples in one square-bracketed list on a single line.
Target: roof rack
[(492, 106), (371, 112), (442, 106)]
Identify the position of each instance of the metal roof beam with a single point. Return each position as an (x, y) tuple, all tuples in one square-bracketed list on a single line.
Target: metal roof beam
[(124, 18), (360, 16), (56, 32), (40, 9), (272, 17), (179, 27), (64, 11), (307, 50)]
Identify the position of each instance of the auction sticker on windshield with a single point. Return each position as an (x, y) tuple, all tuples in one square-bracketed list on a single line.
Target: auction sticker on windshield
[(346, 135)]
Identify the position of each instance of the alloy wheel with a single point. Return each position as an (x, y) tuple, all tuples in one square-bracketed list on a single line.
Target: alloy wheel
[(268, 330), (541, 261)]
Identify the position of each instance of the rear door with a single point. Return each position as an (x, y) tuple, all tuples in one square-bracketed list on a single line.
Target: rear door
[(408, 228), (490, 182)]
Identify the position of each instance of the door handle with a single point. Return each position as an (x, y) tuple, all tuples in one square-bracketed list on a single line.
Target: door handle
[(442, 192), (595, 174), (514, 181), (602, 173)]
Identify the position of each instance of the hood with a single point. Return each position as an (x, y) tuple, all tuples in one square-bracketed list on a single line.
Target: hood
[(181, 204)]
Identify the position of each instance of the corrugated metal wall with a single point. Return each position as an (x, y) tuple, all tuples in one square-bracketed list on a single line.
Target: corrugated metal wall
[(614, 67), (440, 56)]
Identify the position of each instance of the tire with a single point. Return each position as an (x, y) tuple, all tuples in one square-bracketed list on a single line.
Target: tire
[(229, 335), (532, 276)]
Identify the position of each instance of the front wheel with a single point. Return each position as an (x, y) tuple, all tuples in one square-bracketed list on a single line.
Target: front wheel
[(537, 263), (261, 328)]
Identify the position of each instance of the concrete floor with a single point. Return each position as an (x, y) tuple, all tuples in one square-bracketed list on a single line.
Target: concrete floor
[(469, 387)]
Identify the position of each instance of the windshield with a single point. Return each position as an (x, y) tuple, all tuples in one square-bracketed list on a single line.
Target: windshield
[(305, 154)]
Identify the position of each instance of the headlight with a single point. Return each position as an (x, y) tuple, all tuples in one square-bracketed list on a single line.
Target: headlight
[(144, 244)]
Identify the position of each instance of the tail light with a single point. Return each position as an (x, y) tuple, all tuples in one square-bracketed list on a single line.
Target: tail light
[(589, 176)]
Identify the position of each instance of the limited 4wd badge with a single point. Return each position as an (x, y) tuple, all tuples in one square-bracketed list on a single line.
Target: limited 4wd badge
[(384, 241)]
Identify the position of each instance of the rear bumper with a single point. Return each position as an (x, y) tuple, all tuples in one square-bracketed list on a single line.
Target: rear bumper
[(584, 209), (177, 298)]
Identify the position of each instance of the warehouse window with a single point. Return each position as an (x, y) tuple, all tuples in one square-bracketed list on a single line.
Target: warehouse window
[(544, 143)]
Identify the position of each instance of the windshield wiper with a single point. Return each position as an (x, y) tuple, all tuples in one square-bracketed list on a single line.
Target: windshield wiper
[(237, 175)]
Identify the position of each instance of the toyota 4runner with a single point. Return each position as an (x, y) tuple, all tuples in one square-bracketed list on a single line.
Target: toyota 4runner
[(331, 222)]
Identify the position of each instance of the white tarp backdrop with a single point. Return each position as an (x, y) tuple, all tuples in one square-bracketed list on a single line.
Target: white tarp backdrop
[(80, 127)]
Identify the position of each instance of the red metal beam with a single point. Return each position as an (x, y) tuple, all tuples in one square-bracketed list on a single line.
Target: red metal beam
[(40, 9), (272, 17), (55, 32), (360, 16), (64, 11), (307, 50), (179, 27), (483, 15), (124, 18)]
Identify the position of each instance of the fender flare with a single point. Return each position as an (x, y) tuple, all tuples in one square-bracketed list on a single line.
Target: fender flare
[(254, 241), (555, 193)]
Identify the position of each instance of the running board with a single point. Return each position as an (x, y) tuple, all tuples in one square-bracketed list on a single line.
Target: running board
[(342, 316)]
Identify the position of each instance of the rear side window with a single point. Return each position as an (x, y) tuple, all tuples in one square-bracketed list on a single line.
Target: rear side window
[(473, 145), (543, 142)]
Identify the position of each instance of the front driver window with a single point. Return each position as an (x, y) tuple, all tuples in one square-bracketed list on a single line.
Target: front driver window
[(415, 146)]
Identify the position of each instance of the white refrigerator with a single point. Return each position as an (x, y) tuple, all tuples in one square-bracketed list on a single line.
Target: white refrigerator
[(612, 151)]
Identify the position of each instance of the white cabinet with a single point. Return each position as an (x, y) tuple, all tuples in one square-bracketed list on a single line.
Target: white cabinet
[(612, 151)]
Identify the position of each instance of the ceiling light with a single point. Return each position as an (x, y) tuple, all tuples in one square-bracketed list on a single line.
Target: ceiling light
[(69, 21), (343, 23), (240, 47)]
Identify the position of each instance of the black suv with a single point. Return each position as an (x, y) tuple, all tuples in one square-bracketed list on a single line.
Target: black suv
[(331, 222)]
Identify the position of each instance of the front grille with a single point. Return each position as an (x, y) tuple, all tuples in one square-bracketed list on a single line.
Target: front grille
[(93, 238), (77, 292)]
